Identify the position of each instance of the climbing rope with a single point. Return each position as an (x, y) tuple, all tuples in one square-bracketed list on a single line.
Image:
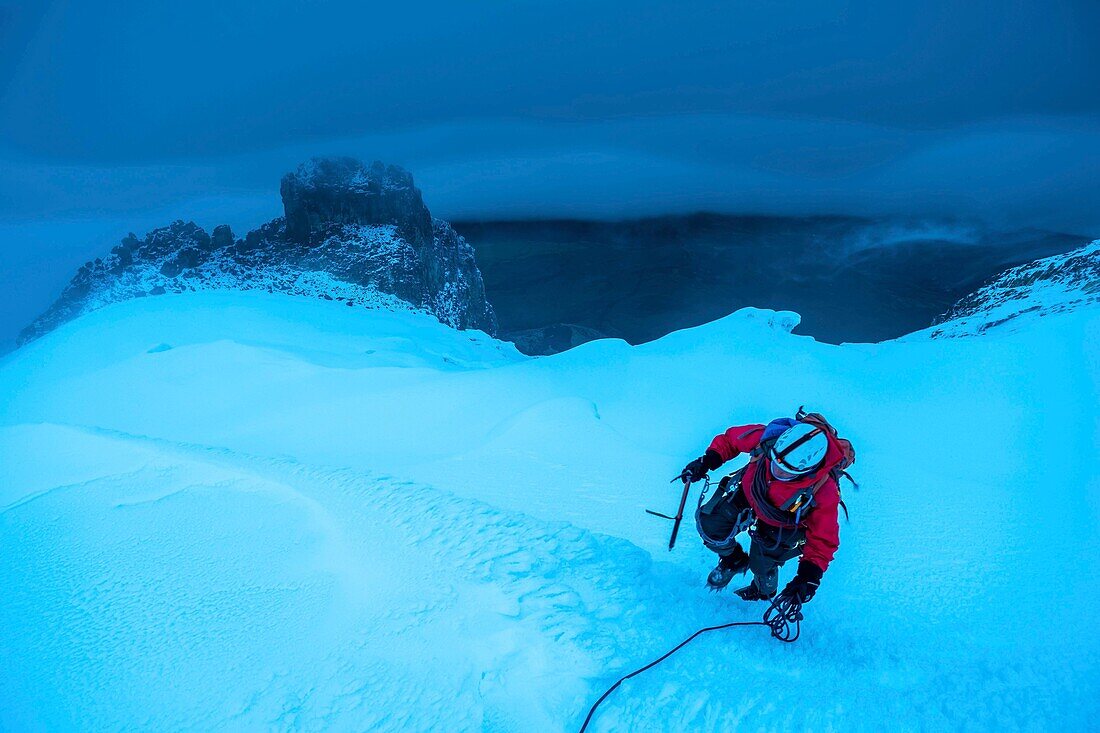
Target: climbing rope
[(783, 617)]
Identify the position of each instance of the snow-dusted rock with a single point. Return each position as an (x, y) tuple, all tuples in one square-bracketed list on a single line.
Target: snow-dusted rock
[(350, 232), (1051, 285)]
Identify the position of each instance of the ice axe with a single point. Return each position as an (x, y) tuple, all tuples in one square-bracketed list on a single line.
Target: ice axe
[(679, 512)]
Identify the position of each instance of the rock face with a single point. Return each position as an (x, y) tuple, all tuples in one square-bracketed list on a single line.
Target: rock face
[(350, 232), (1050, 285), (328, 192)]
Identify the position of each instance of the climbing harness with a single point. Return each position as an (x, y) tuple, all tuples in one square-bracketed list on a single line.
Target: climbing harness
[(783, 618), (741, 522)]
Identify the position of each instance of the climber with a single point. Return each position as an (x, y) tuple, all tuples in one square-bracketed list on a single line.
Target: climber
[(787, 498)]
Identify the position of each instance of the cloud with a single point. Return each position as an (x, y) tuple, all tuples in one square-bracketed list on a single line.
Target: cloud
[(132, 82), (1034, 171)]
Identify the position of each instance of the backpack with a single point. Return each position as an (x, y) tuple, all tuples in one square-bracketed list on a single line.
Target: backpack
[(848, 453), (803, 501)]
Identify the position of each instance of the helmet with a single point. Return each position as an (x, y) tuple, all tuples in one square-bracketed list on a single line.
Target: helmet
[(799, 450)]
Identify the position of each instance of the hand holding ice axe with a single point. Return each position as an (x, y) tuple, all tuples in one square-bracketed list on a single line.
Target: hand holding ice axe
[(694, 471)]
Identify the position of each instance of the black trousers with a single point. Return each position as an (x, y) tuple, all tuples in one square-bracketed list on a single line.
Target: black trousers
[(728, 513)]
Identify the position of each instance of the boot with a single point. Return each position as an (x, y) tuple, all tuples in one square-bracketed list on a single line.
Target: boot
[(728, 567), (751, 593)]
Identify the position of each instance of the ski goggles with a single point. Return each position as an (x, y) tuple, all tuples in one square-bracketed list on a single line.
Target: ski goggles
[(781, 474)]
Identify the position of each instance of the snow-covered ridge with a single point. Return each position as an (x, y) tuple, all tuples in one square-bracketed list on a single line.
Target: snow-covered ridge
[(158, 271), (357, 234), (1051, 285)]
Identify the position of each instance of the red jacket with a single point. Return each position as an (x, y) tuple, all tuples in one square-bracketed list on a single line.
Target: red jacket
[(821, 523)]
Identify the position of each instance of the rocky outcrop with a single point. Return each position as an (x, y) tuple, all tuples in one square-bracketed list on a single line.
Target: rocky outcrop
[(327, 192), (352, 233), (1050, 285), (552, 339)]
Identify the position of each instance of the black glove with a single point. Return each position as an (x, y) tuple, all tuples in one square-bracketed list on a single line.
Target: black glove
[(697, 469), (805, 582)]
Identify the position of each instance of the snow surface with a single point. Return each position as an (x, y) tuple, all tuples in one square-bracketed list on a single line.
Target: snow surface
[(225, 511)]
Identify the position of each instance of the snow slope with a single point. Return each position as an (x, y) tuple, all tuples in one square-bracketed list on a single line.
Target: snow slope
[(249, 511)]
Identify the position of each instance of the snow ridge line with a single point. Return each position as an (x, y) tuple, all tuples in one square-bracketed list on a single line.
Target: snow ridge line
[(29, 498)]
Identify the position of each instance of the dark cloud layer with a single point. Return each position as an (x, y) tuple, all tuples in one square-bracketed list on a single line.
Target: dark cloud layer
[(130, 81), (818, 104), (1022, 171)]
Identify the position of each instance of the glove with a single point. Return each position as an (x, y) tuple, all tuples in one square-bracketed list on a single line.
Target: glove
[(697, 469), (805, 582)]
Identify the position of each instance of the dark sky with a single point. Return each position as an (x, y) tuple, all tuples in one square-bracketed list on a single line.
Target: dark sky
[(119, 116)]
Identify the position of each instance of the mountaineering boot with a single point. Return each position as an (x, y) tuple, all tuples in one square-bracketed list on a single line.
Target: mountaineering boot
[(751, 593), (727, 567)]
